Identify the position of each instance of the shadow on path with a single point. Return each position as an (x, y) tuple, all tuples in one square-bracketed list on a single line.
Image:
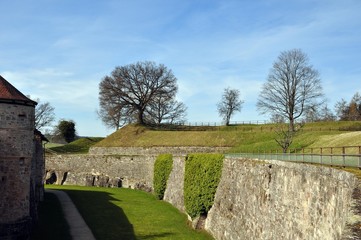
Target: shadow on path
[(106, 220)]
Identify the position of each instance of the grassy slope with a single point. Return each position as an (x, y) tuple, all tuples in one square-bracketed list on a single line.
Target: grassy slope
[(81, 145), (242, 138)]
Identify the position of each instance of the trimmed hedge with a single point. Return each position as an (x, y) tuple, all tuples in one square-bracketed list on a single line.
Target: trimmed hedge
[(162, 168), (202, 175)]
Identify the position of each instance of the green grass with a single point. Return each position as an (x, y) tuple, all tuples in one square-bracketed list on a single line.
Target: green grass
[(119, 213), (81, 145), (51, 145), (240, 138), (52, 224)]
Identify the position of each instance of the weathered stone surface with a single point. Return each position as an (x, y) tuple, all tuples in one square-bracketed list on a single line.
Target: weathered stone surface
[(278, 200), (21, 164), (16, 152), (174, 193), (103, 170), (153, 150), (254, 200)]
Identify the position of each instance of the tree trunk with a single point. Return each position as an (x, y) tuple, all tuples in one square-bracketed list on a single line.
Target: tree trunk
[(292, 124), (140, 117)]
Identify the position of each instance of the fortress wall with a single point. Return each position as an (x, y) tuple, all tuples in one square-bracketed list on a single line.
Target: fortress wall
[(174, 193), (132, 171), (153, 150), (16, 151), (254, 200), (279, 200)]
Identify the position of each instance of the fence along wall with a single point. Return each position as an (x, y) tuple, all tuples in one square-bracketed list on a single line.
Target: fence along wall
[(254, 200), (332, 158)]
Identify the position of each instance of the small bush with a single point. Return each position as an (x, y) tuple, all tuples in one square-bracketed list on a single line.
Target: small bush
[(202, 175), (162, 168)]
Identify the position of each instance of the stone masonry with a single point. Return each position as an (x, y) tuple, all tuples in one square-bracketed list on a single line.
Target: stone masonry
[(254, 200), (20, 159), (278, 200)]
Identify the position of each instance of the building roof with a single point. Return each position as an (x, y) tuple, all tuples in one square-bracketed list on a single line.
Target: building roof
[(41, 136), (9, 94)]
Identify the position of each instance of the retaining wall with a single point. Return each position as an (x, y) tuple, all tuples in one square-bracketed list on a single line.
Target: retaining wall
[(278, 200), (154, 150), (102, 170), (254, 200)]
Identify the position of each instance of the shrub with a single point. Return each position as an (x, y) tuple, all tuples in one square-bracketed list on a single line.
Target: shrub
[(162, 168), (202, 176)]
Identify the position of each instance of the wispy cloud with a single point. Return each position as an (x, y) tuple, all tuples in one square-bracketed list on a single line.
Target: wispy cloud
[(59, 53)]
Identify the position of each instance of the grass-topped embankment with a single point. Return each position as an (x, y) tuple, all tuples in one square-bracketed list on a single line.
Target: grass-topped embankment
[(80, 145), (120, 213), (241, 138)]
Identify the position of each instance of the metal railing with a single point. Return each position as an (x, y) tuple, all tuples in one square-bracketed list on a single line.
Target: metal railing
[(309, 155)]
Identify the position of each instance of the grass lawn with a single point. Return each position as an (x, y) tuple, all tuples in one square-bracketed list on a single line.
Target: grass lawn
[(241, 138), (120, 213), (79, 146), (52, 224)]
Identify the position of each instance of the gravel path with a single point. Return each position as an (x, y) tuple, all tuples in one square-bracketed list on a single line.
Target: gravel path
[(79, 230)]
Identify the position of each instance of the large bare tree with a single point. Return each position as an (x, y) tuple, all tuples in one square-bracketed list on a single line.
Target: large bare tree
[(229, 104), (133, 88), (163, 110), (44, 115), (293, 86)]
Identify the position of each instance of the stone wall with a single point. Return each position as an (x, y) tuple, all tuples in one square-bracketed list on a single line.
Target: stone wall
[(178, 151), (16, 153), (16, 138), (254, 200), (102, 170), (278, 200), (174, 192)]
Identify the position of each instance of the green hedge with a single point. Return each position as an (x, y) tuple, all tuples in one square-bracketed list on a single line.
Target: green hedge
[(162, 168), (202, 175)]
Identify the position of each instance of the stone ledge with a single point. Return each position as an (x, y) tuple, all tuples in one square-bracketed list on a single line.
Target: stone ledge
[(154, 150)]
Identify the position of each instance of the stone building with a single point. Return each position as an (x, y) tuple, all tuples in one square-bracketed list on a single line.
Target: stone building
[(21, 163)]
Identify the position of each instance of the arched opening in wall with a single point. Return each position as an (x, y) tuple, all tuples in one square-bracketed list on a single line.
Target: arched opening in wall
[(52, 178), (120, 182), (64, 178)]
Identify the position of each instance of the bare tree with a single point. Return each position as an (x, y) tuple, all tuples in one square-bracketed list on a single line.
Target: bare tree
[(292, 87), (319, 113), (166, 110), (114, 116), (229, 104), (341, 109), (133, 88), (44, 115), (284, 137), (326, 114), (112, 112)]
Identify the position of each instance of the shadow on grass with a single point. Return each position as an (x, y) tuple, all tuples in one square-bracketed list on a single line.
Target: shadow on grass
[(51, 224), (155, 236), (106, 220)]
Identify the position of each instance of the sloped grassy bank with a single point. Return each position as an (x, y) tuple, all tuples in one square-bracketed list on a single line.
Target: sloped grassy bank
[(241, 138)]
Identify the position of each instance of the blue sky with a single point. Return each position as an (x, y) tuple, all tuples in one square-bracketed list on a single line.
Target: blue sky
[(59, 50)]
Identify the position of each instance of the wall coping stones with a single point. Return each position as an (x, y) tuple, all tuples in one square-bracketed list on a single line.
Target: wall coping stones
[(178, 151)]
